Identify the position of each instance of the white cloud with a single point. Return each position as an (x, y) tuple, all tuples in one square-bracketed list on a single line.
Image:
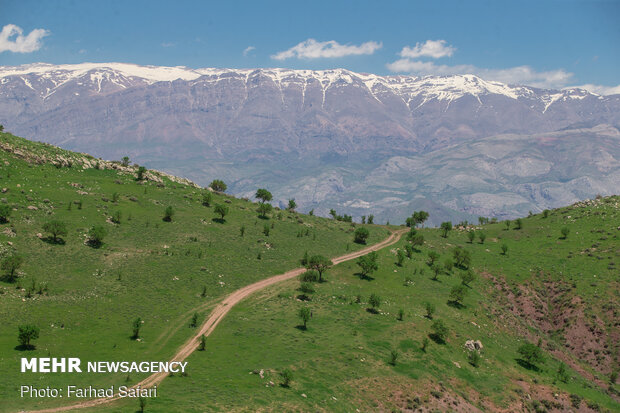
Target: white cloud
[(601, 90), (248, 50), (430, 48), (522, 75), (168, 44), (311, 49), (12, 39)]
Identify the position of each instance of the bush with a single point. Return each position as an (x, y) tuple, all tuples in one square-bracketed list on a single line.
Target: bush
[(263, 209), (368, 263), (218, 185), (266, 230), (56, 229), (309, 276), (565, 231), (440, 331), (168, 214), (361, 235), (545, 213), (96, 234), (207, 196), (445, 228), (375, 301), (518, 223), (135, 328), (304, 315), (457, 295), (287, 377), (474, 358), (141, 172), (5, 213), (432, 257), (467, 277), (482, 236), (116, 217), (11, 264), (530, 353), (462, 257), (27, 333), (400, 257), (393, 357), (471, 235), (504, 248), (221, 210), (430, 310)]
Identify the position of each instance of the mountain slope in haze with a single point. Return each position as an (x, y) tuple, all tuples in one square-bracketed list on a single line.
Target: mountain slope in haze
[(244, 123)]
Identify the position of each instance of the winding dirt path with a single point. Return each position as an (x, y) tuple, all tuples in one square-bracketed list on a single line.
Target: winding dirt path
[(218, 314)]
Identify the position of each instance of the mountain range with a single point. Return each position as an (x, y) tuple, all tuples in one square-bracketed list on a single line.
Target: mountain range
[(362, 144)]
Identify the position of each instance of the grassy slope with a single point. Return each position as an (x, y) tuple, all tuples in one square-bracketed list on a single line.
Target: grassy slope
[(340, 362), (147, 267)]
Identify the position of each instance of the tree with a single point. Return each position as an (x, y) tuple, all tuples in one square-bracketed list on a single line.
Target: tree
[(545, 213), (207, 196), (440, 331), (202, 340), (11, 264), (371, 219), (135, 327), (56, 229), (471, 235), (530, 353), (432, 257), (220, 210), (309, 276), (401, 314), (457, 295), (125, 161), (304, 314), (504, 248), (242, 230), (507, 222), (319, 263), (168, 213), (266, 230), (482, 236), (5, 213), (393, 357), (424, 344), (141, 172), (361, 235), (518, 223), (116, 217), (447, 265), (292, 204), (462, 257), (218, 185), (565, 231), (474, 358), (408, 250), (1, 128), (263, 194), (467, 277), (375, 301), (194, 321), (417, 240), (27, 333), (563, 375), (430, 310), (263, 209), (287, 377), (400, 257), (368, 263), (141, 403), (417, 218), (445, 228), (436, 269), (96, 234)]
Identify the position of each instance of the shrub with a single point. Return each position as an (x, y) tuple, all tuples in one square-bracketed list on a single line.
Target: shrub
[(368, 263), (462, 257), (430, 310), (518, 223), (266, 230), (287, 377), (263, 209), (361, 235), (474, 358), (5, 213), (545, 213), (565, 231), (304, 315), (96, 234), (424, 344), (221, 210), (432, 257), (56, 229), (27, 333), (207, 197), (135, 328), (218, 185), (400, 257), (482, 236), (309, 276), (375, 301), (393, 357), (467, 277), (457, 295), (140, 173), (440, 331), (116, 217), (445, 228), (292, 204), (530, 353), (168, 213), (202, 343), (471, 235), (504, 248)]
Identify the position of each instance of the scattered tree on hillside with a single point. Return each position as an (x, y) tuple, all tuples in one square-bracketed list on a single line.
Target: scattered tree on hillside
[(401, 314), (304, 314), (518, 223), (287, 377), (457, 295), (482, 236), (207, 196), (264, 195), (430, 310), (56, 228), (218, 185), (363, 219), (417, 218), (168, 213), (11, 264), (27, 333), (263, 209), (319, 263), (400, 257), (474, 358), (531, 354), (96, 234), (140, 174), (408, 250), (116, 217), (424, 344), (1, 128), (5, 213), (361, 235), (202, 340), (310, 276), (266, 230), (471, 235), (545, 213), (504, 248), (436, 270), (507, 223), (141, 404), (447, 265), (565, 231), (292, 204), (462, 258), (368, 263), (445, 228), (393, 357), (194, 321), (125, 161), (375, 301), (432, 258), (371, 219), (440, 331), (242, 230), (220, 210), (467, 277), (135, 328)]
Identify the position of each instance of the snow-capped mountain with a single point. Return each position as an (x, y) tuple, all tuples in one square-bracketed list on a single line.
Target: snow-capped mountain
[(250, 124)]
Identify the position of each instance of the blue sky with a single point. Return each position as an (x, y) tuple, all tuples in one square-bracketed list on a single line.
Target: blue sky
[(544, 43)]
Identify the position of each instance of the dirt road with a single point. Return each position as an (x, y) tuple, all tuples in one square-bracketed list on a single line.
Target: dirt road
[(218, 314)]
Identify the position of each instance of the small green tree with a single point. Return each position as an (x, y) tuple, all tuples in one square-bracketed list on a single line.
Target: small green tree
[(375, 302), (400, 257), (445, 228), (430, 310), (361, 235), (168, 213), (471, 235), (242, 230), (436, 270), (141, 403), (5, 213), (194, 321), (309, 276), (202, 343), (264, 195), (482, 236), (266, 230), (462, 257), (432, 258), (440, 331), (287, 377), (393, 357), (263, 209), (10, 265), (457, 295), (518, 223), (220, 210), (562, 373), (507, 223), (371, 219), (447, 265), (207, 197), (467, 277), (408, 250), (125, 161), (136, 325), (292, 204), (368, 263), (530, 353), (218, 185), (504, 248), (116, 217), (401, 314), (304, 315), (424, 344), (474, 358), (565, 231), (545, 213), (27, 333), (96, 234), (141, 172), (56, 229), (319, 263)]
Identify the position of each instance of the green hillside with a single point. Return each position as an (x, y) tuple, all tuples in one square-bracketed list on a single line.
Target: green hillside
[(391, 340)]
